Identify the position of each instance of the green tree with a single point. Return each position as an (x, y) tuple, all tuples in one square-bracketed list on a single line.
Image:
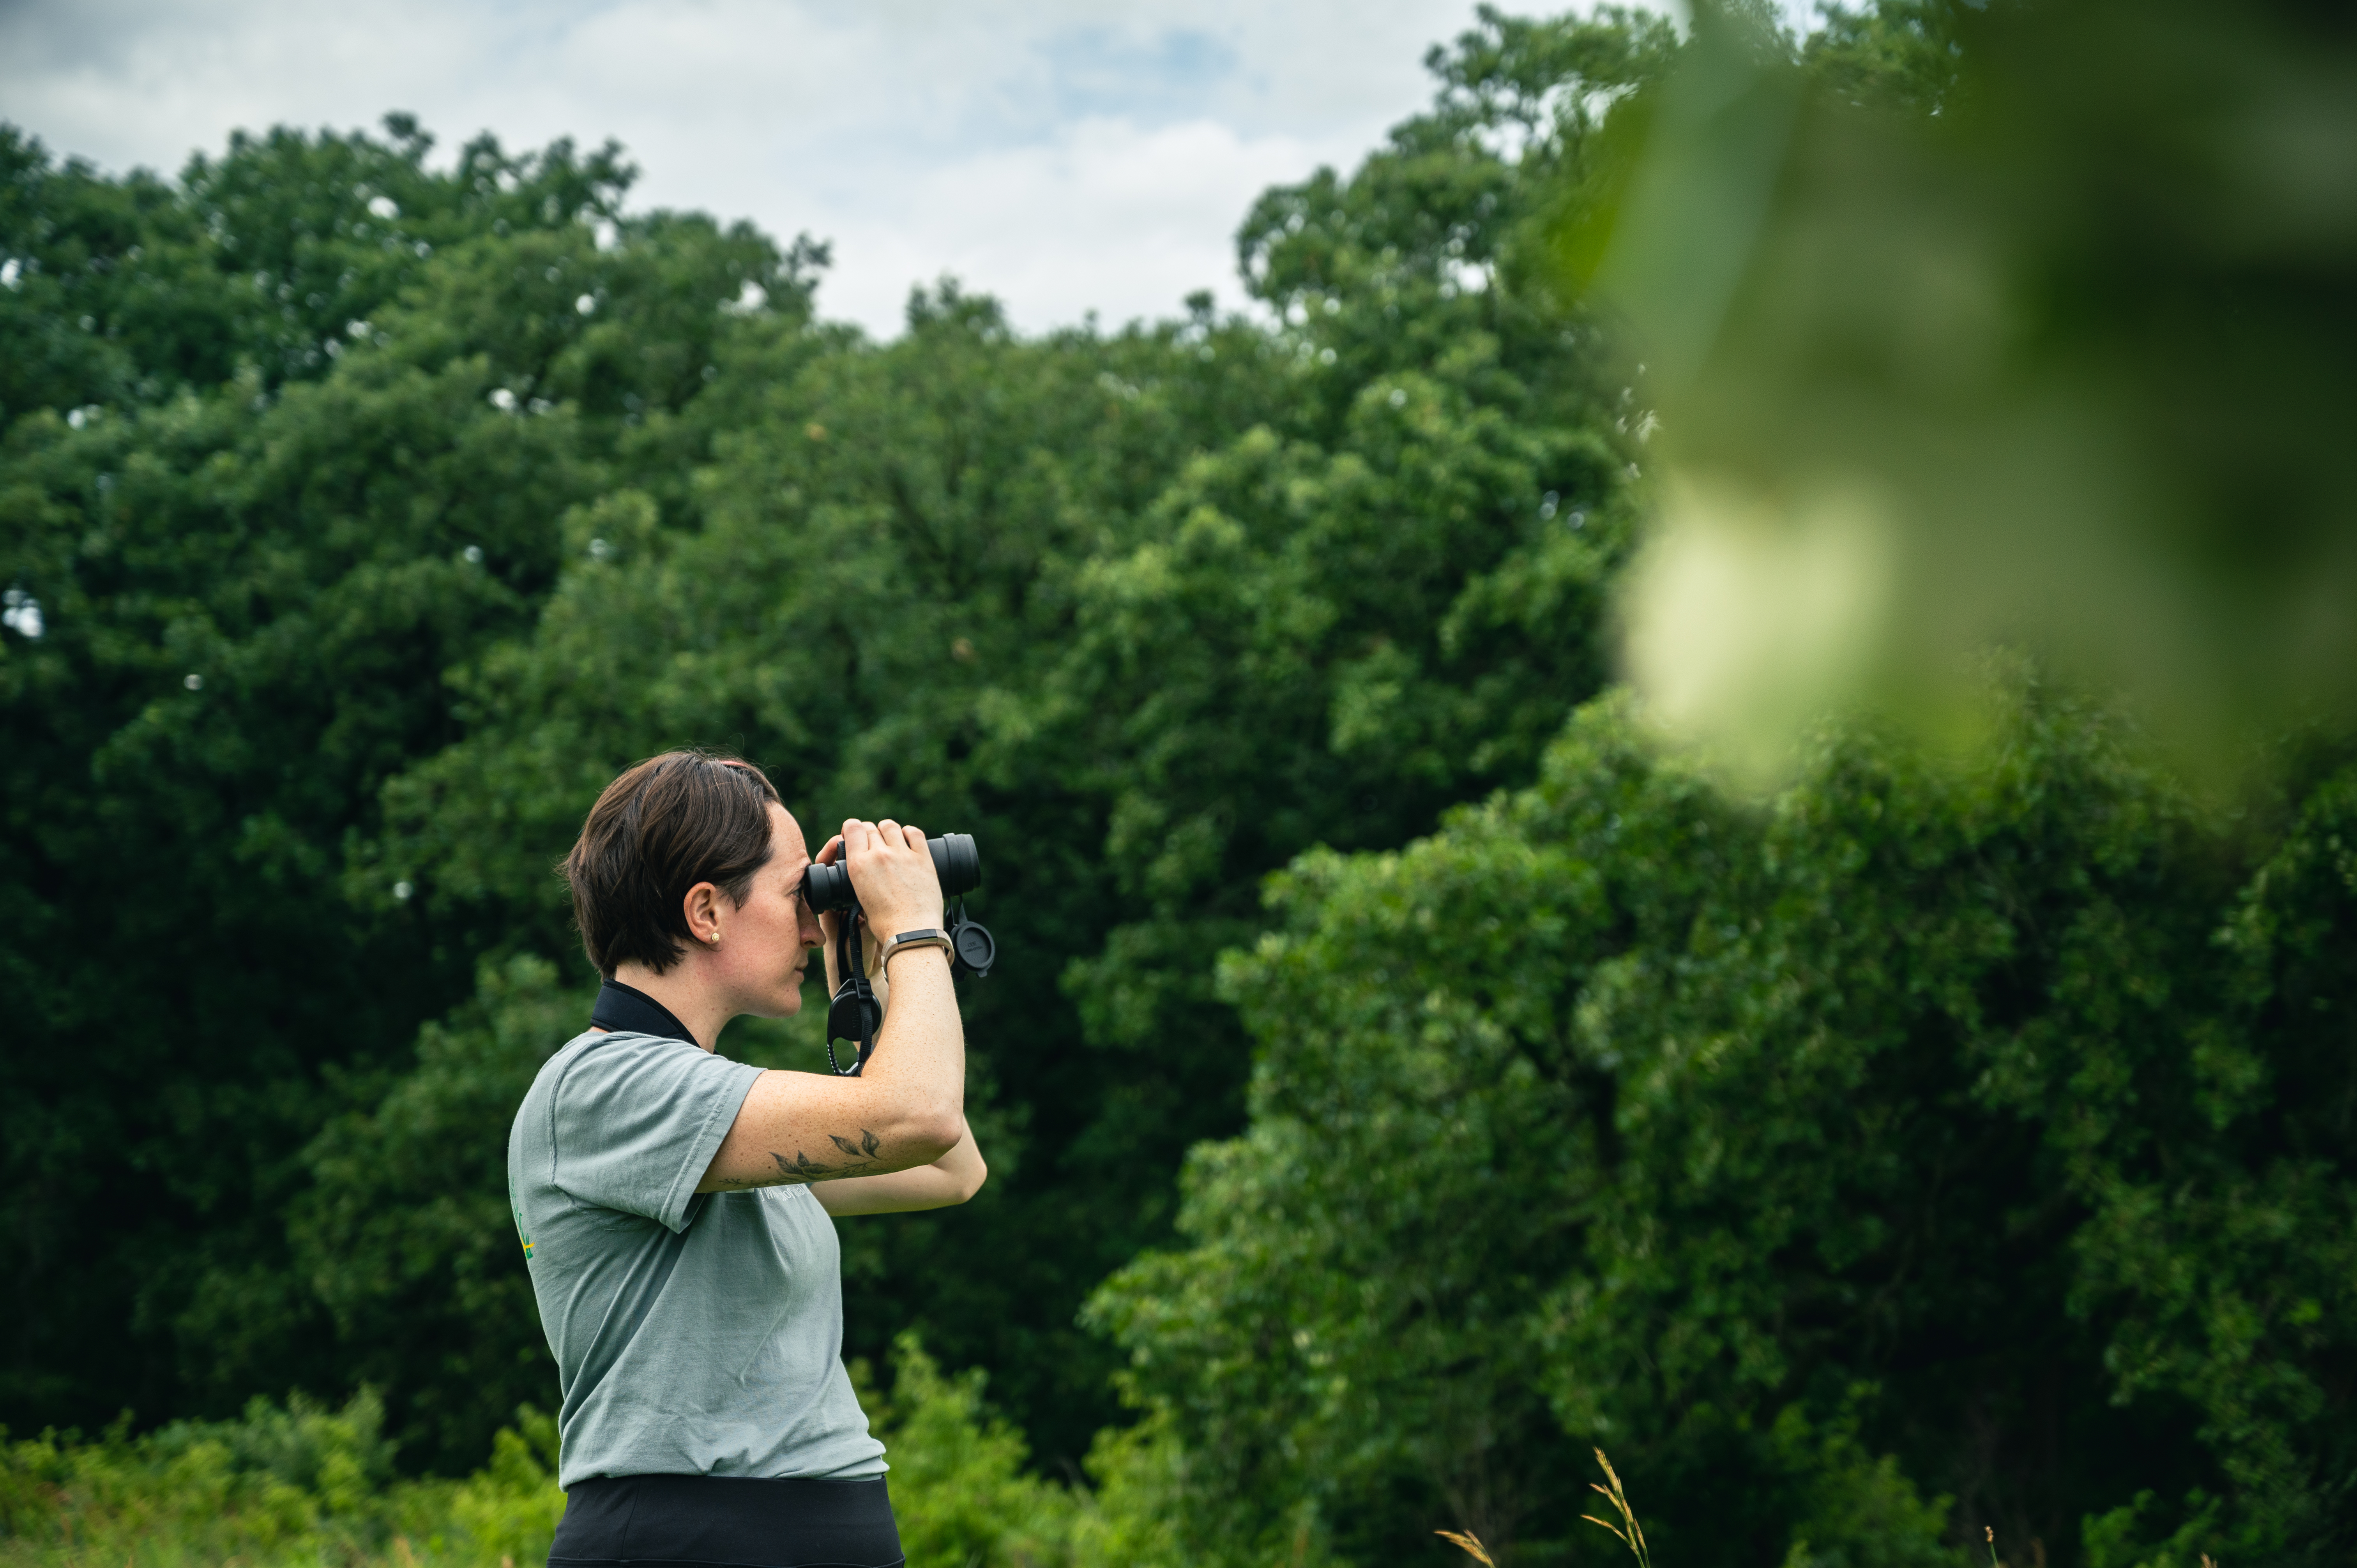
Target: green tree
[(270, 259), (1990, 1119), (1151, 612), (1921, 1128), (251, 567)]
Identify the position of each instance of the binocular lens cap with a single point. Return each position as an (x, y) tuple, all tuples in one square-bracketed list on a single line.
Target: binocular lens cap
[(976, 949), (854, 1014)]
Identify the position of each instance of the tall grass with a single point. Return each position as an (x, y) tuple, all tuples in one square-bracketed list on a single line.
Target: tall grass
[(1632, 1534)]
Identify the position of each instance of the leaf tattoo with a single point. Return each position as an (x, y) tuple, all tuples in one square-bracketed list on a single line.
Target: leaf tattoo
[(803, 1168)]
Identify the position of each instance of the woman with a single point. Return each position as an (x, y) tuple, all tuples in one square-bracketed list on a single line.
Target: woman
[(675, 1206)]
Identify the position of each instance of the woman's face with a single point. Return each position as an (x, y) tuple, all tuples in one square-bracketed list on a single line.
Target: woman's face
[(765, 942)]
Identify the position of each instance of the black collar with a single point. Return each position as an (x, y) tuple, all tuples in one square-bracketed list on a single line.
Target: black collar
[(625, 1009)]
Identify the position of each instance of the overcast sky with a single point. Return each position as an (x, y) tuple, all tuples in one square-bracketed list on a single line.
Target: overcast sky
[(1064, 157)]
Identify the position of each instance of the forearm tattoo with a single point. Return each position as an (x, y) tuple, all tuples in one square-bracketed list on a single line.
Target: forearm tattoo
[(858, 1159)]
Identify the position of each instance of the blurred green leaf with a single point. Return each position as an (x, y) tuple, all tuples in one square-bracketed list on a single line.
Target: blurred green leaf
[(2028, 329)]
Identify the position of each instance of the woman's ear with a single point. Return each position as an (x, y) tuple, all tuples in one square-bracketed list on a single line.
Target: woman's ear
[(704, 906)]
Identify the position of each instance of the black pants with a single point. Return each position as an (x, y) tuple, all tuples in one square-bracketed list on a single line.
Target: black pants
[(696, 1521)]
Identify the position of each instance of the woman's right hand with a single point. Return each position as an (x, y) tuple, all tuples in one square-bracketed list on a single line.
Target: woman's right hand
[(892, 871)]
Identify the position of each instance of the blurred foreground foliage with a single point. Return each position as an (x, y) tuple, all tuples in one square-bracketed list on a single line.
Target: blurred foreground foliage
[(2009, 319), (1919, 1149)]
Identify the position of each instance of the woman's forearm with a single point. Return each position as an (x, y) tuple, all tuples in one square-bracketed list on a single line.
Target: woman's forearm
[(963, 1167), (951, 1179)]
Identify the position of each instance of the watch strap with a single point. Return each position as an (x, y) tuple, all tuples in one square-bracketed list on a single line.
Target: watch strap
[(907, 940)]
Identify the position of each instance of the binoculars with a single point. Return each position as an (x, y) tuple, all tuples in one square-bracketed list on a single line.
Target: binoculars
[(827, 888), (855, 1013)]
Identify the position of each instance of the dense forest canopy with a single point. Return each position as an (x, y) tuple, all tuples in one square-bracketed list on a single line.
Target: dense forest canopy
[(1400, 1076)]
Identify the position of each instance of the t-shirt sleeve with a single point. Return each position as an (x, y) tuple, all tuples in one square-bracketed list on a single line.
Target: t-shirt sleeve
[(636, 1121)]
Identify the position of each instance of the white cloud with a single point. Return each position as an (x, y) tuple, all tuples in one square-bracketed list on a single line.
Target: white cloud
[(1063, 154), (1108, 215)]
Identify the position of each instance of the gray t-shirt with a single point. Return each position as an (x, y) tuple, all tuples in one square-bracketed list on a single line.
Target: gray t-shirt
[(694, 1334)]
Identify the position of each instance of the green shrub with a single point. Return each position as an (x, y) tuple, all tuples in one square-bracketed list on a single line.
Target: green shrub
[(1862, 1509), (959, 1489), (297, 1483), (300, 1482)]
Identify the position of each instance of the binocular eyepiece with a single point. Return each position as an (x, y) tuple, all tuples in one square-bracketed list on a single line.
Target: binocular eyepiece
[(955, 861)]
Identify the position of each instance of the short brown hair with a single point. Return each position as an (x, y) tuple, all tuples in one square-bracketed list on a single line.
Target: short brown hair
[(663, 826)]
